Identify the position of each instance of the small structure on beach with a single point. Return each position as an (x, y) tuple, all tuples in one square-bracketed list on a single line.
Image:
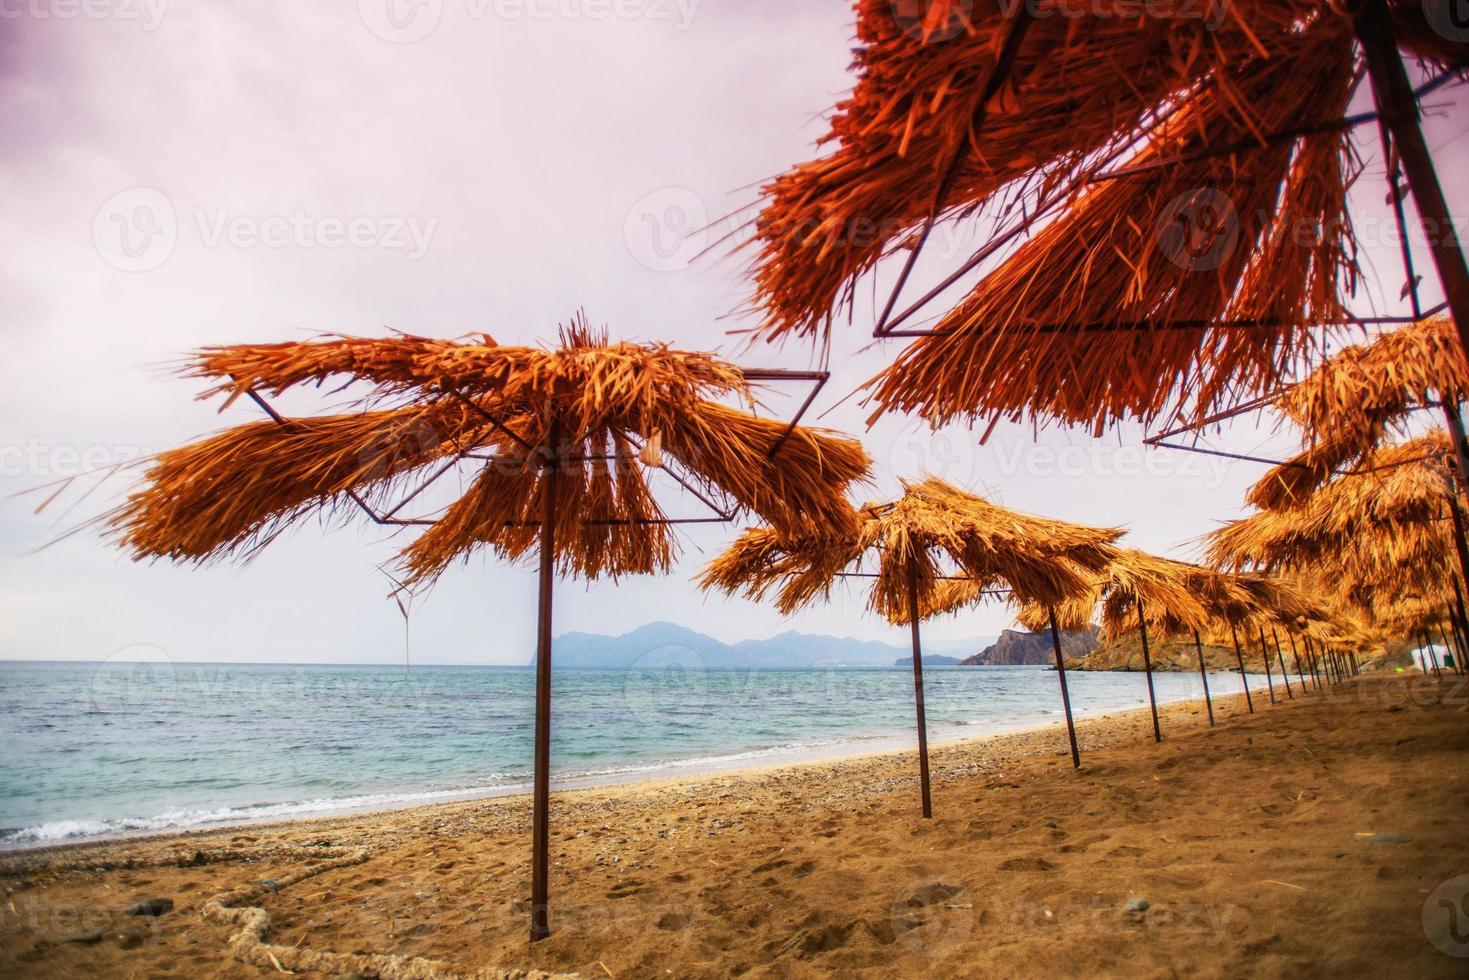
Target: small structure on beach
[(560, 444), (914, 549)]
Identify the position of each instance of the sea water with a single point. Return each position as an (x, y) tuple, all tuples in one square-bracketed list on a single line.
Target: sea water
[(93, 750)]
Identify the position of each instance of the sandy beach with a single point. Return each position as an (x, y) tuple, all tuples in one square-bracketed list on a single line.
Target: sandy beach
[(1308, 837)]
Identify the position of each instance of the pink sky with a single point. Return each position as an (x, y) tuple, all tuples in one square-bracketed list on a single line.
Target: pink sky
[(283, 169)]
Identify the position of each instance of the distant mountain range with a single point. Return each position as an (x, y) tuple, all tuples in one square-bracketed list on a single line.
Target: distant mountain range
[(667, 644)]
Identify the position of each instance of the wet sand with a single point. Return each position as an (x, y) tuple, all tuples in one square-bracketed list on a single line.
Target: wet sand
[(1311, 837)]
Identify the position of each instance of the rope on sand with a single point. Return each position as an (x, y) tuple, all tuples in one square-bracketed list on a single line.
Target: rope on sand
[(249, 946), (237, 908)]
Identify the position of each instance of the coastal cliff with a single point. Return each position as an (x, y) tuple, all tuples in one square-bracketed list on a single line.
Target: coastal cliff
[(1018, 648)]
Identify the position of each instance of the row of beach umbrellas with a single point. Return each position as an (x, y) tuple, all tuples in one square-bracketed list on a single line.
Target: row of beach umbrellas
[(1145, 174)]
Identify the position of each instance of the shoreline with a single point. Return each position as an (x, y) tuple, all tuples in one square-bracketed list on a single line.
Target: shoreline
[(642, 784), (634, 780)]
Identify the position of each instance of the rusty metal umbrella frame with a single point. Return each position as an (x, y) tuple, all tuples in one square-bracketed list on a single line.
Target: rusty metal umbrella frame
[(918, 685), (1397, 113), (551, 463)]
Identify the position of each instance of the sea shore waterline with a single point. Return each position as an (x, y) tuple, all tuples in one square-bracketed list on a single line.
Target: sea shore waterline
[(121, 748)]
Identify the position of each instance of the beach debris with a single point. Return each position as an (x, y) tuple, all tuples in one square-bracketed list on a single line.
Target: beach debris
[(248, 943), (1134, 908), (131, 938), (1383, 837), (270, 884), (153, 907)]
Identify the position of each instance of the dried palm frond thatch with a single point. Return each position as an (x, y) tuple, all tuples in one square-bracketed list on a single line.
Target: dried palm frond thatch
[(1084, 320), (983, 112), (932, 534), (1394, 510), (1291, 483), (1176, 597), (1360, 393), (588, 407)]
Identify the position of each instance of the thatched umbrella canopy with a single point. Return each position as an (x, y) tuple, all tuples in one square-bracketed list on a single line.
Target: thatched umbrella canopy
[(1287, 605), (1416, 616), (933, 534), (1392, 512), (1351, 401), (563, 439), (1224, 141), (1140, 591)]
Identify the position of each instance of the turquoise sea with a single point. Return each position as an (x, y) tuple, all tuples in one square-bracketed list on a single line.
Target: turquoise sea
[(104, 749)]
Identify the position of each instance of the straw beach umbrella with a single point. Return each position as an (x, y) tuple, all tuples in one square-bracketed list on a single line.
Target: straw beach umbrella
[(1135, 587), (1158, 170), (1385, 521), (933, 534), (561, 442), (1143, 592), (1351, 401)]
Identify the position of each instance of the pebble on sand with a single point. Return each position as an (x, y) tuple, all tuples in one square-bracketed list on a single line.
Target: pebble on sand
[(151, 907)]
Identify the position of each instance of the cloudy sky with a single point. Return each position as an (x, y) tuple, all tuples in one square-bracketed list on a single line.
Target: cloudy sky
[(185, 174)]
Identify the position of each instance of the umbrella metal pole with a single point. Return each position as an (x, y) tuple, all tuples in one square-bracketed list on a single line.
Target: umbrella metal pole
[(1457, 632), (541, 792), (1462, 623), (1284, 673), (918, 691), (1239, 656), (1399, 111), (1456, 432), (1265, 653), (1461, 629), (1204, 676), (1296, 656), (1065, 695), (1444, 634), (1461, 547), (1429, 655), (1142, 626)]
